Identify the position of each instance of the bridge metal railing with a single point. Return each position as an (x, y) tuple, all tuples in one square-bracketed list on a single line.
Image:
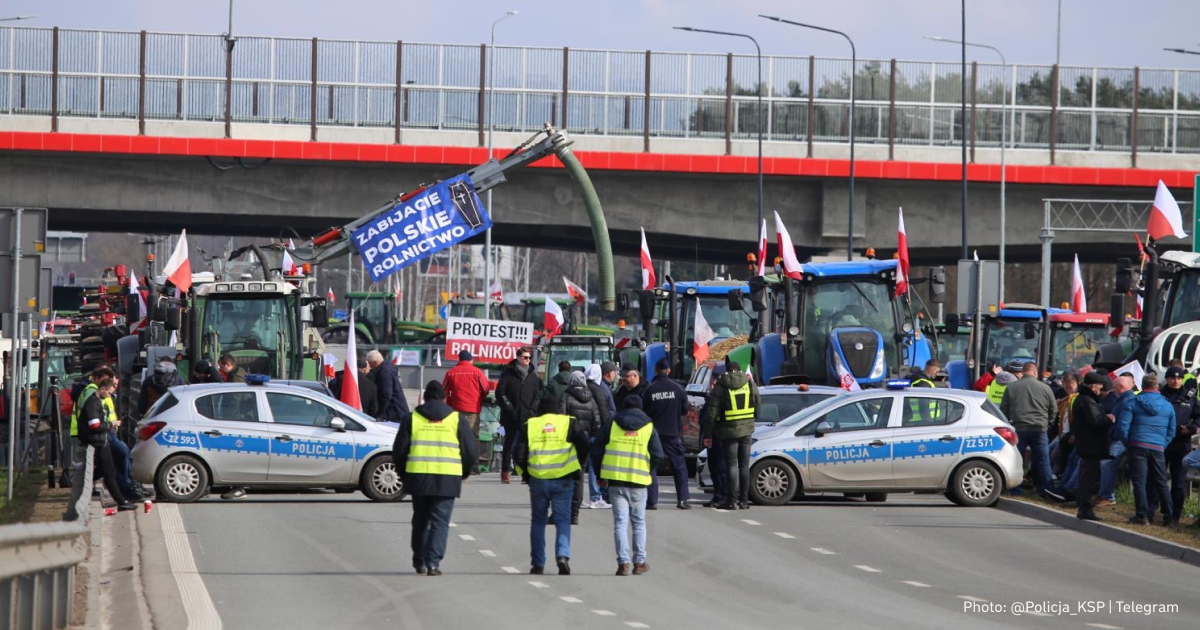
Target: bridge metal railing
[(38, 560), (287, 81)]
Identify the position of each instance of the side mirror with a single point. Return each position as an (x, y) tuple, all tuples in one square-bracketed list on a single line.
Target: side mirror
[(758, 294), (622, 304), (646, 303), (823, 427), (1116, 310), (735, 300), (174, 318), (951, 321), (1030, 330), (1124, 279), (337, 424), (937, 285), (320, 314)]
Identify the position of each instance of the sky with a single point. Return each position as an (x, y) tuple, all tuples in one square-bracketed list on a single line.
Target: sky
[(1112, 33)]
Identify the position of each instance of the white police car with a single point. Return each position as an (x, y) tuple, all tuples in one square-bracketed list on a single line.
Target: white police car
[(882, 441), (261, 435)]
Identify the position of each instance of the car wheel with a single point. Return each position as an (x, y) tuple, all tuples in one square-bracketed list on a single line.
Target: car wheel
[(876, 497), (182, 479), (772, 482), (975, 484), (381, 481)]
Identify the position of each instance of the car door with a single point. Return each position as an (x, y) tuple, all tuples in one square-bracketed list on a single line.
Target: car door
[(304, 447), (857, 450), (233, 439), (928, 439)]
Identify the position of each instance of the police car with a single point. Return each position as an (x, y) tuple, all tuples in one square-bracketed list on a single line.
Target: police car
[(882, 441), (261, 434)]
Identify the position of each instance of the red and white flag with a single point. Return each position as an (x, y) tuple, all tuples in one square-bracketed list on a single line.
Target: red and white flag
[(329, 361), (329, 296), (291, 244), (791, 266), (762, 250), (1165, 218), (288, 265), (349, 393), (179, 267), (496, 292), (902, 251), (575, 291), (847, 380), (1078, 296), (553, 319), (134, 289), (703, 335), (1137, 311), (648, 279)]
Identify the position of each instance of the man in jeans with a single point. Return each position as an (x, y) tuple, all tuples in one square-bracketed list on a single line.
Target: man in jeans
[(1122, 392), (548, 457), (1146, 425), (1030, 406), (627, 452)]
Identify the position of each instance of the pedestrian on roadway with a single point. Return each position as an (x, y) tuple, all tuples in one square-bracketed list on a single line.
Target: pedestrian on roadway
[(1146, 425), (1090, 428), (434, 452), (731, 419), (1181, 393), (598, 497), (466, 387), (666, 404), (517, 393), (95, 431), (393, 406), (608, 378), (550, 449), (716, 453), (577, 402), (1030, 407), (368, 395), (627, 453), (1118, 396), (631, 385), (229, 369)]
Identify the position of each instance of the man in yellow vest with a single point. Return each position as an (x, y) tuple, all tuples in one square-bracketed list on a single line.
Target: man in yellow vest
[(78, 443), (995, 390), (730, 419), (549, 450), (433, 452), (627, 453)]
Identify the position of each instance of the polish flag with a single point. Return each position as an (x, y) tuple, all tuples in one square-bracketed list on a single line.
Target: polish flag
[(291, 244), (437, 357), (1137, 311), (350, 376), (141, 314), (553, 319), (329, 296), (575, 291), (1165, 218), (762, 250), (703, 335), (329, 361), (846, 380), (179, 268), (791, 267), (902, 251), (496, 292), (648, 279), (1078, 296), (289, 265), (1141, 248)]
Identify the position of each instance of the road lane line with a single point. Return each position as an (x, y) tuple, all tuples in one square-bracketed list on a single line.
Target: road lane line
[(916, 584), (466, 537), (197, 603), (488, 552), (636, 624), (863, 567), (972, 598), (510, 569), (571, 600), (605, 613), (750, 522), (823, 551), (452, 524), (784, 535), (539, 585), (1104, 626)]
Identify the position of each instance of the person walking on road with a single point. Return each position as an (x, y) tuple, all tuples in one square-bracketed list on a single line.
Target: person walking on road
[(598, 497), (466, 386), (626, 453), (666, 404), (577, 402), (1146, 425), (1090, 428), (631, 385), (730, 419), (517, 393), (1181, 394), (393, 406), (434, 452), (559, 382), (1030, 406), (550, 448)]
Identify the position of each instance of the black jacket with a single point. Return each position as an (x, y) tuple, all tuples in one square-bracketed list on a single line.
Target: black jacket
[(597, 391), (1090, 426), (518, 397), (93, 408), (1187, 416), (622, 393), (577, 436), (666, 404), (156, 387), (629, 420), (367, 392), (577, 402), (390, 393), (424, 485)]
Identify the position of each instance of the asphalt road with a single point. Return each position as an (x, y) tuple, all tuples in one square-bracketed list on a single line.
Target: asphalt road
[(337, 560)]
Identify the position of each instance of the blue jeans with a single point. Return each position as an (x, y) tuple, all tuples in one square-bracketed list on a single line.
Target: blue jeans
[(629, 504), (1070, 475), (1108, 471), (596, 493), (430, 528), (1039, 455), (1141, 461), (122, 463), (554, 496)]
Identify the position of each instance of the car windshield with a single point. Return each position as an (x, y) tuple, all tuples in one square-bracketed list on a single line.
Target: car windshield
[(1007, 340), (247, 323), (844, 303), (56, 359), (781, 406), (953, 347), (817, 409), (1076, 347), (372, 313)]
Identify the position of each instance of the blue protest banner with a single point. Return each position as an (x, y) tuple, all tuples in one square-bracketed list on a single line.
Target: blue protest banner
[(341, 314), (442, 215)]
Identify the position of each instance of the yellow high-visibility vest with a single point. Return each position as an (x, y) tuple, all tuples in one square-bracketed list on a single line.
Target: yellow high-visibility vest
[(627, 456), (434, 449), (551, 454), (739, 404), (995, 392), (83, 396)]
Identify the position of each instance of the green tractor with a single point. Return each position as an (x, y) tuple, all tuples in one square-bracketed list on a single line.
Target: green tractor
[(533, 311), (375, 322)]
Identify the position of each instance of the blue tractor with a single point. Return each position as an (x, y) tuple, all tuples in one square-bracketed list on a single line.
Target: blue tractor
[(673, 326)]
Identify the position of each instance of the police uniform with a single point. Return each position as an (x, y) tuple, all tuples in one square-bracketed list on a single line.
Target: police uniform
[(548, 457), (666, 404)]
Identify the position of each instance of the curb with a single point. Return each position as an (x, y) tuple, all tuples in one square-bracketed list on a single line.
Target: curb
[(1149, 544)]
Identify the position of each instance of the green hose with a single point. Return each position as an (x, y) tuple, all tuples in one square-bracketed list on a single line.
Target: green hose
[(608, 290)]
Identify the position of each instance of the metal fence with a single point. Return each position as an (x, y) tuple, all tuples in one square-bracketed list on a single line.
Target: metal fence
[(107, 74)]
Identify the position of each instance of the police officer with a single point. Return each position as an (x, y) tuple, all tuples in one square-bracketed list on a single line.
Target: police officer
[(731, 419), (548, 455), (666, 404), (434, 452)]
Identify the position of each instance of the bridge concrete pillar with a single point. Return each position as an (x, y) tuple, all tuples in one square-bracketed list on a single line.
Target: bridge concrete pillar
[(1047, 238), (834, 202)]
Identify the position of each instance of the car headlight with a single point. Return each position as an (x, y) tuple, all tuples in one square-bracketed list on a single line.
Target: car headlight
[(880, 364)]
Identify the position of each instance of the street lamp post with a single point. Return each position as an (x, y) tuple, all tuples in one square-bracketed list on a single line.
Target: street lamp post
[(1003, 140), (18, 17), (487, 238), (759, 90), (230, 40), (853, 69), (1182, 51)]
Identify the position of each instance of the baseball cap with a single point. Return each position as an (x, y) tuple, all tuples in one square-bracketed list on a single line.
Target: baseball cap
[(662, 365)]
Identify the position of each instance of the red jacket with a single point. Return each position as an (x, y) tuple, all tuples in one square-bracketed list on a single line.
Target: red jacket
[(466, 387), (981, 385)]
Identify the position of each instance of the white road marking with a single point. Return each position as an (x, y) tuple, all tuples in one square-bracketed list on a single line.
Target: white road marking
[(197, 603), (823, 551), (539, 585), (750, 522), (916, 584), (466, 537), (510, 569), (571, 600), (972, 598), (720, 510), (453, 524), (488, 552), (784, 535), (636, 624), (605, 613), (863, 567), (1104, 626)]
